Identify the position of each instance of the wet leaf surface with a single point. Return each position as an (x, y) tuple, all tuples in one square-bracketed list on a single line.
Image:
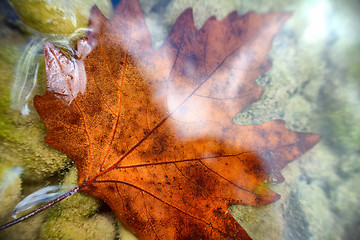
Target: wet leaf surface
[(151, 131)]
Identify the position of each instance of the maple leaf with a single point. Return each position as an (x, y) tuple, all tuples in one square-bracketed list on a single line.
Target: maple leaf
[(151, 131)]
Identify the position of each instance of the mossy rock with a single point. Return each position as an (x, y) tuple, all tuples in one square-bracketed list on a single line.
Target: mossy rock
[(78, 218), (10, 190), (340, 126), (22, 138), (59, 17), (10, 194)]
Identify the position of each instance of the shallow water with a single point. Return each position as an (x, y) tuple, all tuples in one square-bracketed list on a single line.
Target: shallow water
[(314, 85)]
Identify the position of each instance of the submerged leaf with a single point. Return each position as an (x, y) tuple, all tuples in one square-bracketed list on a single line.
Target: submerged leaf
[(151, 131)]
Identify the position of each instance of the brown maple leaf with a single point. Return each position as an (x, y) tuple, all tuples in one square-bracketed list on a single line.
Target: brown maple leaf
[(151, 131)]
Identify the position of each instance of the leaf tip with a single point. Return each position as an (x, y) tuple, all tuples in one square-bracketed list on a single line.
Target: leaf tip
[(186, 19), (308, 140), (95, 21)]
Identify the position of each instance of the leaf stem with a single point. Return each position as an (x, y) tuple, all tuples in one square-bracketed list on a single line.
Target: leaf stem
[(40, 209)]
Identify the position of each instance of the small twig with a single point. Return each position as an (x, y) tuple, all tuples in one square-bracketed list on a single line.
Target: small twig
[(40, 209)]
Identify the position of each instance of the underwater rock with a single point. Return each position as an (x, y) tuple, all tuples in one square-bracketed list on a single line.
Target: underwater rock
[(59, 17), (10, 190), (10, 194), (22, 139), (78, 218)]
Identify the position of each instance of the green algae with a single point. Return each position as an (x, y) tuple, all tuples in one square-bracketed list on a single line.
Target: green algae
[(59, 17), (340, 125), (11, 183), (8, 56), (256, 221), (10, 190), (78, 217), (22, 139)]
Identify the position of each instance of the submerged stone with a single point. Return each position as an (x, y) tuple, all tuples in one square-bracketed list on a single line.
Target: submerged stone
[(59, 17)]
